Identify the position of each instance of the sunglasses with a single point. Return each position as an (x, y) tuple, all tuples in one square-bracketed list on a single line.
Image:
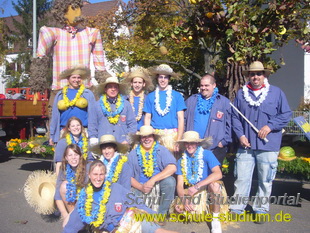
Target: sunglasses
[(256, 73)]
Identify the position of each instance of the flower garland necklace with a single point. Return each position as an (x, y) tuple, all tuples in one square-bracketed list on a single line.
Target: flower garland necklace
[(262, 97), (147, 164), (114, 167), (83, 144), (113, 117), (71, 103), (168, 101), (209, 102), (192, 172), (93, 216), (71, 185), (141, 102)]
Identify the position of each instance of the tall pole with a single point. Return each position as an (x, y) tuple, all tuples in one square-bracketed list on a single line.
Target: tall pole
[(34, 29)]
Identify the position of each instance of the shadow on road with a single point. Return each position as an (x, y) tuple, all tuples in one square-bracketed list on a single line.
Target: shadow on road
[(36, 165)]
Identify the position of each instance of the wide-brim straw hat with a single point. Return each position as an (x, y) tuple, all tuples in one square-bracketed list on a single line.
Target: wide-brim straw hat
[(112, 79), (81, 70), (145, 130), (164, 69), (256, 66), (39, 191), (139, 72), (106, 139), (193, 136)]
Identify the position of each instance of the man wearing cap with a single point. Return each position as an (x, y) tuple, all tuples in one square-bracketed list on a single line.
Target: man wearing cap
[(164, 108), (113, 156), (198, 169), (209, 114), (73, 100), (113, 114), (140, 81), (153, 166), (266, 107)]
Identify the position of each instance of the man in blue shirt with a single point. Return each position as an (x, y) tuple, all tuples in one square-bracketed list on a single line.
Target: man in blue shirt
[(164, 108), (73, 100), (266, 107), (153, 165), (112, 113), (209, 114)]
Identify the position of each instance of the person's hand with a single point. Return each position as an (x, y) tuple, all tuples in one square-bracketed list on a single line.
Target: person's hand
[(188, 205), (50, 141), (244, 142), (125, 142), (220, 145), (264, 131), (147, 186), (93, 141), (192, 191), (179, 208)]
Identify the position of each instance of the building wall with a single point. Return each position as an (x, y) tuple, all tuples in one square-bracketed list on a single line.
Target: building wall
[(291, 76)]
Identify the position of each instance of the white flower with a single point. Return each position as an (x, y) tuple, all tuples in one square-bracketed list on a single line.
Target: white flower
[(261, 98), (168, 101)]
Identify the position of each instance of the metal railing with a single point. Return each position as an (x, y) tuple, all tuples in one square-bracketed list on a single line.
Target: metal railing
[(292, 128)]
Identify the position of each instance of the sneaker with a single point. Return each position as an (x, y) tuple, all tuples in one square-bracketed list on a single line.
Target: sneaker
[(216, 226)]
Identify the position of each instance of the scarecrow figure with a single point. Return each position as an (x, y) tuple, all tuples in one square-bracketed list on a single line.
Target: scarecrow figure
[(70, 45)]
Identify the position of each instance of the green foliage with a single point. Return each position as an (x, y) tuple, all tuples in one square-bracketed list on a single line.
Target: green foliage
[(299, 166), (205, 36), (20, 35)]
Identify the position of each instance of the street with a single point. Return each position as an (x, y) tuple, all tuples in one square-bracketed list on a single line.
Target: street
[(17, 216)]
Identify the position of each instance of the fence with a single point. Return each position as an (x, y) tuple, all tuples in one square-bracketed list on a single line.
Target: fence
[(292, 128)]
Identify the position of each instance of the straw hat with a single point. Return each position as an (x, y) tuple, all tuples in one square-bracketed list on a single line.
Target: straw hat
[(256, 66), (145, 130), (139, 72), (111, 79), (193, 136), (81, 70), (164, 69), (39, 191), (108, 138)]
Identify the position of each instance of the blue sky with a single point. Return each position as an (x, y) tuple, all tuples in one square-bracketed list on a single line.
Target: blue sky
[(8, 8)]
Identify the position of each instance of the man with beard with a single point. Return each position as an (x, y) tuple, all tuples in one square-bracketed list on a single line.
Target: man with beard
[(266, 107), (209, 114)]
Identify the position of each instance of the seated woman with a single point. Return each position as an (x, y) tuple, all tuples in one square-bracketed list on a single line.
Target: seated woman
[(112, 155), (70, 180), (199, 170), (104, 205), (73, 133)]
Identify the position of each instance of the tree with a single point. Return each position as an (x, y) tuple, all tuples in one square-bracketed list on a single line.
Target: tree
[(21, 35), (221, 36)]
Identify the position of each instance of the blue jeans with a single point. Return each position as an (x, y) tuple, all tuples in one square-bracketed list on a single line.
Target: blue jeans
[(167, 188), (266, 162)]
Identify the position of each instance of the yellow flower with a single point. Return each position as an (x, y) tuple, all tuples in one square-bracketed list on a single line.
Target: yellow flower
[(28, 152), (306, 159), (10, 149), (71, 103), (53, 149), (225, 166), (31, 145)]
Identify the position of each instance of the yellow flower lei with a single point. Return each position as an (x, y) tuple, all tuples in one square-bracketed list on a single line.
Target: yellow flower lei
[(84, 147), (184, 172), (112, 120), (141, 102), (148, 165), (71, 103), (119, 168)]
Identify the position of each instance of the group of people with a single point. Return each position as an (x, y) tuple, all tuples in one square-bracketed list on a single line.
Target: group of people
[(96, 175)]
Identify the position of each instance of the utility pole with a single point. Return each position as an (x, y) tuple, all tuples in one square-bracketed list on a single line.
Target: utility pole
[(34, 29)]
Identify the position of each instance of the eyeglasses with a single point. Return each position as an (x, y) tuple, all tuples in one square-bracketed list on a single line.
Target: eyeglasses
[(163, 76), (256, 73)]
